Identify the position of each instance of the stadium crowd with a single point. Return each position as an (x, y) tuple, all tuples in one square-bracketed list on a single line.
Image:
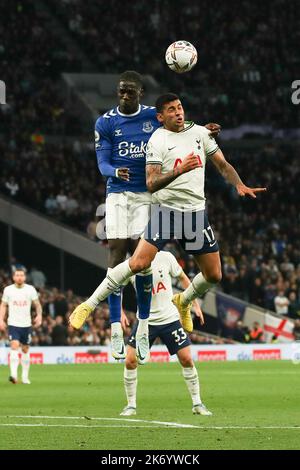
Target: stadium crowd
[(57, 306), (259, 239), (248, 58)]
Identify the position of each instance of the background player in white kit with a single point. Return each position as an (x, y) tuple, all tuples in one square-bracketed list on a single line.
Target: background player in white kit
[(164, 324), (18, 298)]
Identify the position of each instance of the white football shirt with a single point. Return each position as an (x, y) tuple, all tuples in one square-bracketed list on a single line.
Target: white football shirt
[(162, 310), (168, 149), (19, 301)]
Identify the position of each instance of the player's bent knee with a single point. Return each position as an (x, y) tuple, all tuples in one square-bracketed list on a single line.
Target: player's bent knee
[(131, 363), (214, 277), (138, 265)]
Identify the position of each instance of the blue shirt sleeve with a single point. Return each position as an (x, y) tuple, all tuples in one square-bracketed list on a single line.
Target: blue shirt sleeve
[(103, 147)]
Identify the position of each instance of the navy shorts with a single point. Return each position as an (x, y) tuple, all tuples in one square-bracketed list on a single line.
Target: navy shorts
[(171, 334), (18, 333), (191, 230)]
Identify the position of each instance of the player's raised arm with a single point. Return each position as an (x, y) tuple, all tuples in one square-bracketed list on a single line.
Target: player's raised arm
[(231, 175), (3, 311), (156, 180), (38, 309)]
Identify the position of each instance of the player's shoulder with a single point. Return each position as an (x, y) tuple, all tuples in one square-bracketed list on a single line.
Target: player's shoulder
[(149, 111), (202, 130), (166, 257), (105, 119), (9, 288), (30, 287)]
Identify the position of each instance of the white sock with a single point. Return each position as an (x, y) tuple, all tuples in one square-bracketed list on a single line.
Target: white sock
[(116, 328), (197, 288), (114, 279), (25, 361), (190, 375), (130, 384), (14, 363), (142, 328)]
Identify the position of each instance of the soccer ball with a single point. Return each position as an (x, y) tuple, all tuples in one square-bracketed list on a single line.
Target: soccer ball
[(181, 56)]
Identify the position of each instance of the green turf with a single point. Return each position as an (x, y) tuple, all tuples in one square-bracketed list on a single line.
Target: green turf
[(258, 394)]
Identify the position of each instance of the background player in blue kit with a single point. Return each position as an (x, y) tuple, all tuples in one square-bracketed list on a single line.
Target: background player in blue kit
[(121, 137)]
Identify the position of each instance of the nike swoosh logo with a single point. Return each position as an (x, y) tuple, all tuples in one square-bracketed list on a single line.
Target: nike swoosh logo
[(212, 244), (171, 148), (179, 344), (139, 354)]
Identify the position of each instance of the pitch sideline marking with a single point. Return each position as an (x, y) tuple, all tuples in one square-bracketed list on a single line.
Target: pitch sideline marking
[(164, 423)]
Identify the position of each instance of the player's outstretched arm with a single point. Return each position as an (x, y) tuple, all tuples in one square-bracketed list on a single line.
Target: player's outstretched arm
[(231, 175), (38, 318), (3, 310), (214, 129), (156, 180)]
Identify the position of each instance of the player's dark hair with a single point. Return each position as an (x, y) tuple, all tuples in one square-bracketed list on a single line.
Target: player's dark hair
[(19, 269), (131, 76), (165, 99)]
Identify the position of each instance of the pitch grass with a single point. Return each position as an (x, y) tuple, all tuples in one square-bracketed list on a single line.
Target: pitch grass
[(240, 394)]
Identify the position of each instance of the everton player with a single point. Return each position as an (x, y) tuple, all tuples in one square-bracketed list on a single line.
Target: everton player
[(121, 136)]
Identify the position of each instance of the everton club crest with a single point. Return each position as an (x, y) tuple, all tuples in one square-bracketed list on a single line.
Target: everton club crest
[(148, 127)]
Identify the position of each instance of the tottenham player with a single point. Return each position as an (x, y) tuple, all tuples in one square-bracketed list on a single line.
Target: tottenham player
[(121, 137), (164, 324), (176, 157), (17, 298)]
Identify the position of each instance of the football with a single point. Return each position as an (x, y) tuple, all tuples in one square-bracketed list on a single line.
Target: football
[(181, 56)]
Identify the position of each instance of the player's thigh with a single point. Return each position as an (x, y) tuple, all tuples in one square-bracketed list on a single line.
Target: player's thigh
[(118, 249), (174, 337), (143, 256), (116, 216), (185, 357), (14, 336), (25, 348), (14, 344), (210, 266), (139, 206)]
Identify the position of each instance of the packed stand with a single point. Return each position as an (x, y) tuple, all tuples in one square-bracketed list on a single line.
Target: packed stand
[(247, 56), (58, 305), (33, 56), (259, 239)]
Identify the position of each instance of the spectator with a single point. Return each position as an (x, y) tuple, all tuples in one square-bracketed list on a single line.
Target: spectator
[(296, 330), (12, 187), (37, 278), (281, 303), (256, 334), (241, 333), (294, 306), (51, 205), (59, 333)]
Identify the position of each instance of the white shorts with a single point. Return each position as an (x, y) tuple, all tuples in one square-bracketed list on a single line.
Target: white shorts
[(127, 214)]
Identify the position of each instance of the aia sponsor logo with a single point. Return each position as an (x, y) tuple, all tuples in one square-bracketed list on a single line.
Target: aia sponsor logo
[(87, 358), (266, 354), (212, 355), (20, 303), (160, 356)]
